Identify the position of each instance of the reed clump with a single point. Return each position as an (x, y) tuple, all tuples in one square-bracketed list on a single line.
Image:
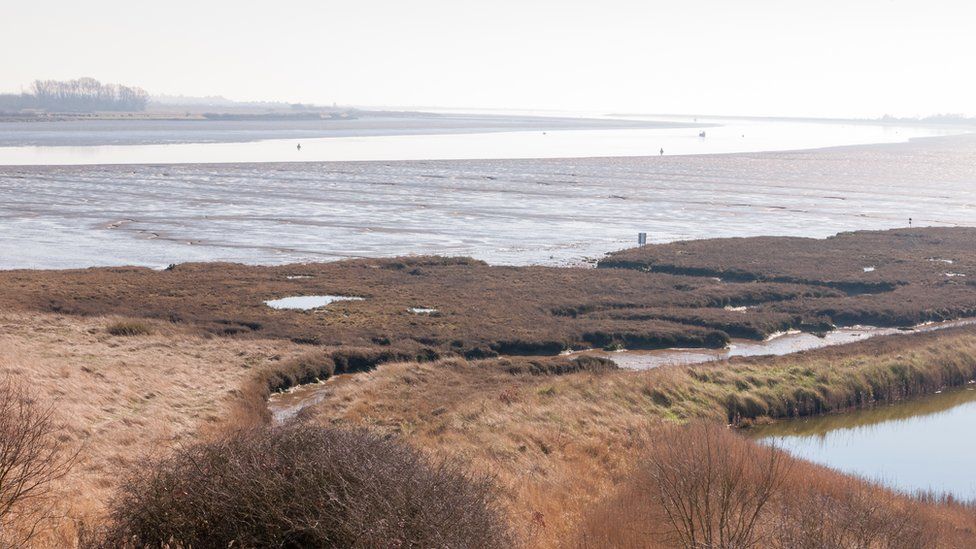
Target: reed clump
[(129, 328)]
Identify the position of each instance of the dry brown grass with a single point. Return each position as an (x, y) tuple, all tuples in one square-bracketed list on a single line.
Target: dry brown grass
[(558, 445), (121, 398), (561, 444)]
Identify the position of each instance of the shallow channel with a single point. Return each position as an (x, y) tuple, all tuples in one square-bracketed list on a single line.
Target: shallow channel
[(779, 344), (287, 404)]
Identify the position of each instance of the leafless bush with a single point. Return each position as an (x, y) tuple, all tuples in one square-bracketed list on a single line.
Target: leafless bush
[(712, 485), (32, 458), (304, 486), (697, 486), (847, 513)]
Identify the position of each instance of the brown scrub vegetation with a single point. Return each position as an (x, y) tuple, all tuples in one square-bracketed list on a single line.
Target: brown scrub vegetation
[(680, 294)]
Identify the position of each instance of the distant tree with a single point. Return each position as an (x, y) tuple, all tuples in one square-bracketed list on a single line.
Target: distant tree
[(87, 94)]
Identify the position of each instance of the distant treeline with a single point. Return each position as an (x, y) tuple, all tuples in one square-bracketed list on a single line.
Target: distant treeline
[(278, 116), (932, 119), (81, 95)]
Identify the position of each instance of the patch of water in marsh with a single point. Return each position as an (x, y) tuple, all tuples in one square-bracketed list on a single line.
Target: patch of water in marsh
[(920, 445), (308, 302), (287, 404), (778, 344)]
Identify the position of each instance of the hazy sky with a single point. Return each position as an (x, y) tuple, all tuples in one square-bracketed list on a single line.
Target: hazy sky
[(820, 58)]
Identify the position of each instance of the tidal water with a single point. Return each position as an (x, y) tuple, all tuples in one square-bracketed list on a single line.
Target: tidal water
[(923, 445), (617, 138)]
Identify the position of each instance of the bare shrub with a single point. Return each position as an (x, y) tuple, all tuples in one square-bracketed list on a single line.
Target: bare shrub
[(842, 512), (32, 458), (697, 486), (304, 486), (713, 486)]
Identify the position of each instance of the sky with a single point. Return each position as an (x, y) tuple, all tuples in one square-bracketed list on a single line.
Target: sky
[(826, 58)]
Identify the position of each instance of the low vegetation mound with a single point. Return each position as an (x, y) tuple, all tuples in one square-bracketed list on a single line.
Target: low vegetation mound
[(303, 486)]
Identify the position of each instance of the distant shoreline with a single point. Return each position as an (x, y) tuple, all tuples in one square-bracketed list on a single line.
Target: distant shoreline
[(151, 128)]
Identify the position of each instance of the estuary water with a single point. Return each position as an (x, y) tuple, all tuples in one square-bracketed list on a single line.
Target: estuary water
[(619, 138), (229, 201)]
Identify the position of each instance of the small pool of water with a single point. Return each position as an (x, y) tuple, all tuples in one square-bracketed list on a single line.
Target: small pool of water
[(778, 344), (308, 302), (921, 445)]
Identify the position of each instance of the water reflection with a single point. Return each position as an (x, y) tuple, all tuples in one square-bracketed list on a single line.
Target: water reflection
[(923, 444), (307, 302)]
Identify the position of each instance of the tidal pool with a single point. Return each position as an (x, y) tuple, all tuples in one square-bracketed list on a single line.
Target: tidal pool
[(920, 445), (307, 302)]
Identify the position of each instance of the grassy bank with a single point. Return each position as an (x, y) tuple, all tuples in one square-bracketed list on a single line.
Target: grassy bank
[(559, 445)]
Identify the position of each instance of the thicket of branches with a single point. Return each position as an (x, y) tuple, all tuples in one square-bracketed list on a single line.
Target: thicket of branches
[(80, 95), (32, 459), (303, 486)]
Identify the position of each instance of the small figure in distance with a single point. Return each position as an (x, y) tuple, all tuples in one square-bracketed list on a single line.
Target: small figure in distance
[(909, 222), (662, 151), (299, 146)]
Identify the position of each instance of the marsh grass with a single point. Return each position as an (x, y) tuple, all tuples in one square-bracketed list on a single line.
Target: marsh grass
[(129, 328), (672, 295)]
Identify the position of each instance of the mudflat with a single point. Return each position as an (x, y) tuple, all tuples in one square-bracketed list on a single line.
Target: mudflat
[(511, 212)]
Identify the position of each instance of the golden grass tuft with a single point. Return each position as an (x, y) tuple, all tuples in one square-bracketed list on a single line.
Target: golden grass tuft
[(129, 328)]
